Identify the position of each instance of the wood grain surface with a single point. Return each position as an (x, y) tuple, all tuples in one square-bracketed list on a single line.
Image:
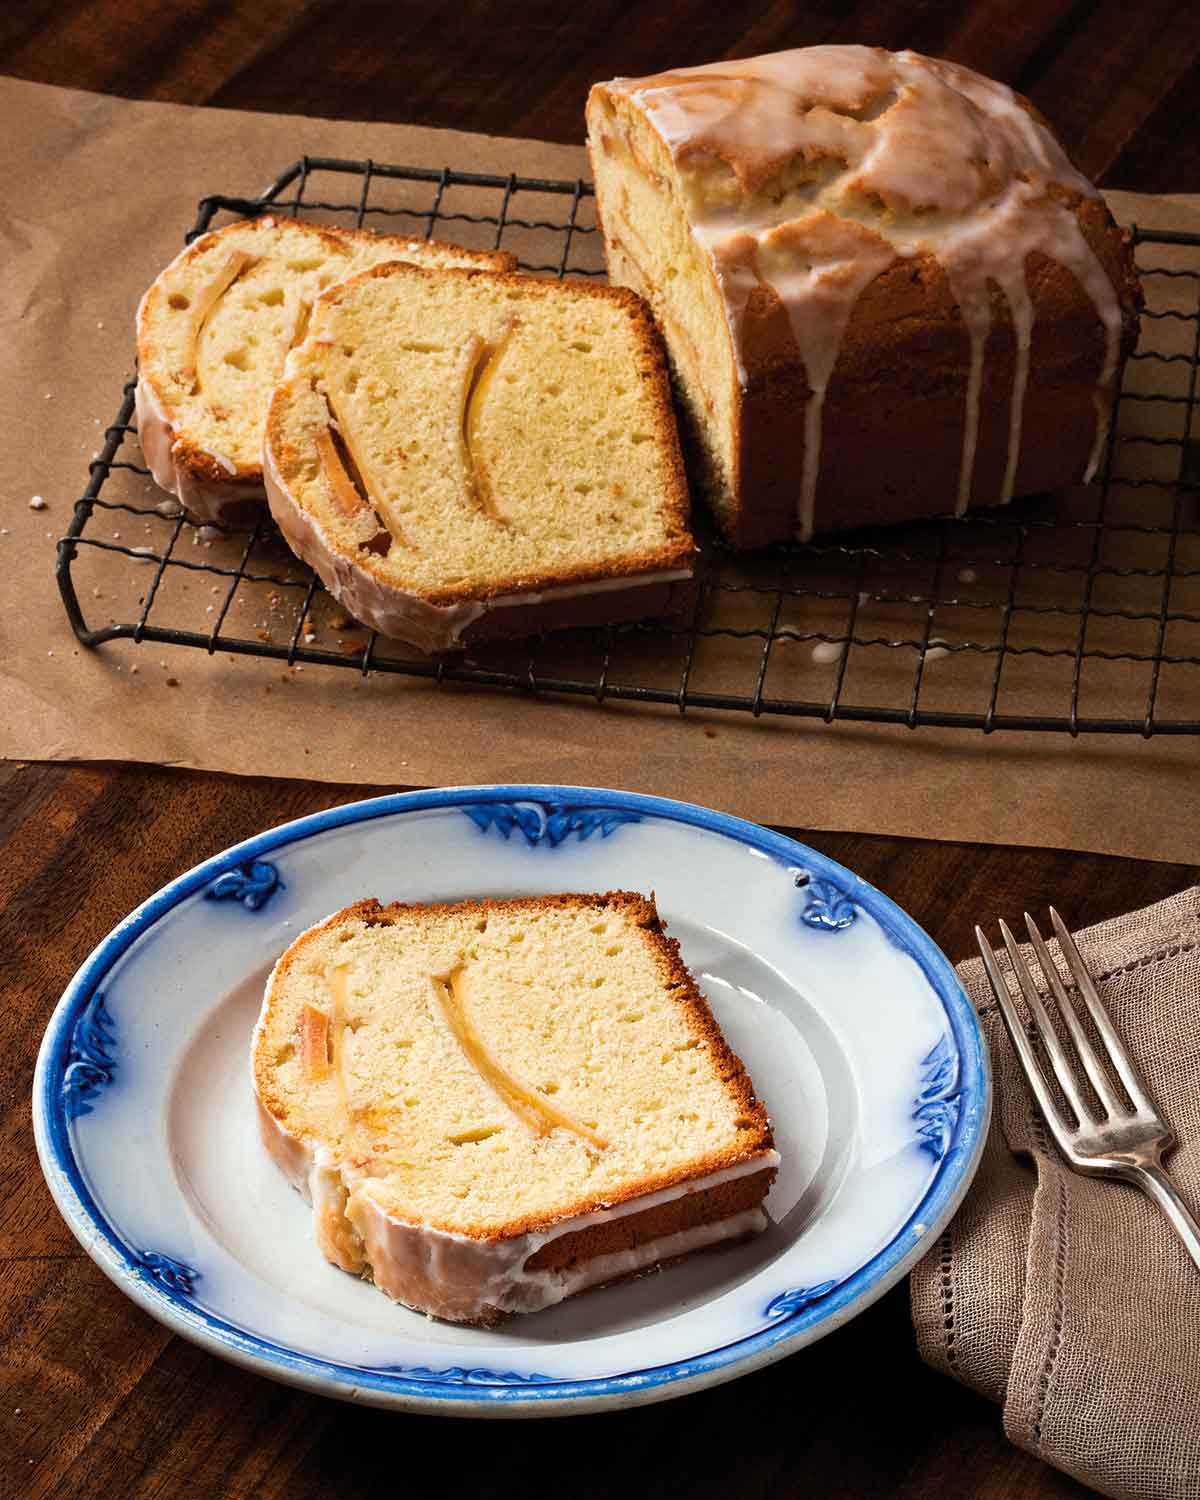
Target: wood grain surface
[(1119, 82), (98, 1400)]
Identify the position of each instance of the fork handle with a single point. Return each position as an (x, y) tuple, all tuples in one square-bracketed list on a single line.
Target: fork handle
[(1151, 1178)]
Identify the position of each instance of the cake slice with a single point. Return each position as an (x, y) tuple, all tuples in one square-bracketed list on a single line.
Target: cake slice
[(213, 332), (496, 1104), (463, 455)]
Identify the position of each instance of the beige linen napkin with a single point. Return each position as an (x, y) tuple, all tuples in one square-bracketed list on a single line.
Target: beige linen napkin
[(1068, 1299)]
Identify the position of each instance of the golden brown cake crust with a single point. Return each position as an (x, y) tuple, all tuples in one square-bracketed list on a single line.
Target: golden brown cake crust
[(894, 411), (751, 1113), (675, 1217), (640, 601)]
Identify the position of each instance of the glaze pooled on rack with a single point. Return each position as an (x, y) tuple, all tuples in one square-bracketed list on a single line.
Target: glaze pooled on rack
[(803, 176)]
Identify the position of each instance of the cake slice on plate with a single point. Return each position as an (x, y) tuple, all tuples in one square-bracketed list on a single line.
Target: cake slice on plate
[(213, 332), (496, 1104), (885, 290), (463, 455)]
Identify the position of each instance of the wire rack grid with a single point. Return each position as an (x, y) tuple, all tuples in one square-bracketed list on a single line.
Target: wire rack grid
[(1079, 613)]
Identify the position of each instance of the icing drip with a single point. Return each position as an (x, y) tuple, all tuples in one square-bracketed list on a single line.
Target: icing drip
[(1025, 223), (819, 296), (808, 173), (978, 320), (1022, 314)]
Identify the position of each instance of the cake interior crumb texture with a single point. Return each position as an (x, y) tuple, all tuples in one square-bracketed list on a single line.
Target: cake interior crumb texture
[(467, 434), (496, 1066), (215, 327)]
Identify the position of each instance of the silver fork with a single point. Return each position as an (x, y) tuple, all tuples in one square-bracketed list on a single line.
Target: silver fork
[(1120, 1143)]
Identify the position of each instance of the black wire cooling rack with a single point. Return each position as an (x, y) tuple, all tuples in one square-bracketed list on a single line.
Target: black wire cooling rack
[(1078, 614)]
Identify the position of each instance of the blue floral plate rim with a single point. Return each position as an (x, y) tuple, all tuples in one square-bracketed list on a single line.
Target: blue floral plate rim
[(468, 1391)]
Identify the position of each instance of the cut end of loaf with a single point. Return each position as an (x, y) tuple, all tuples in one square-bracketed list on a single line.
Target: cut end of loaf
[(886, 291)]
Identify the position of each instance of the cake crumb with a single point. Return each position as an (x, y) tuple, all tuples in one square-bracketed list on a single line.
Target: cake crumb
[(709, 732), (172, 681), (36, 503)]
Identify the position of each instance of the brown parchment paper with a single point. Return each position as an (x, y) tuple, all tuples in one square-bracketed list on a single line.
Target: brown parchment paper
[(98, 193)]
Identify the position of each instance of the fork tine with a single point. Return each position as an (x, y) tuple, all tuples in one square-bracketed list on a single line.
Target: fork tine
[(1087, 1053), (1024, 1048), (1126, 1068), (1059, 1060)]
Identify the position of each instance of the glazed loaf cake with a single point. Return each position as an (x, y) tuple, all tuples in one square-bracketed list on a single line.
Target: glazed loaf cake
[(213, 332), (885, 291), (497, 1104), (462, 455)]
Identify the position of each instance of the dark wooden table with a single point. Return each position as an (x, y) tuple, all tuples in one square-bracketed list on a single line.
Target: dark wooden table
[(100, 1401)]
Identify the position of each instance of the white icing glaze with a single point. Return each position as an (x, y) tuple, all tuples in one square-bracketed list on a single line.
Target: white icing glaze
[(205, 499), (824, 653), (464, 1279), (810, 172), (388, 608)]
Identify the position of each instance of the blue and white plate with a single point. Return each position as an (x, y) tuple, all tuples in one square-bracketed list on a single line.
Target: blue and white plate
[(850, 1020)]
